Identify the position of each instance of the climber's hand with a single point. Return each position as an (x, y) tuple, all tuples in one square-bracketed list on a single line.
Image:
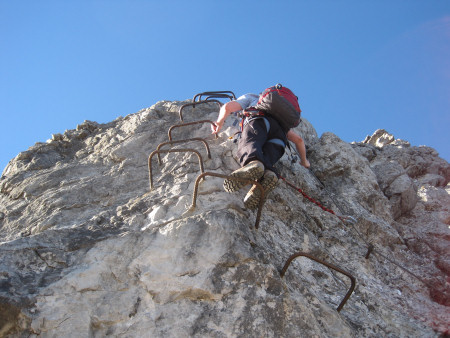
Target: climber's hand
[(216, 127)]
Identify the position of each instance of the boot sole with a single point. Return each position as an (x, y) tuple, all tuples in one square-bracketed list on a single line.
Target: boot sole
[(252, 174), (252, 201)]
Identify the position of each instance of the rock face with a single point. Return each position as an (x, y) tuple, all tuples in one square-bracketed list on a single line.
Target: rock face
[(87, 249)]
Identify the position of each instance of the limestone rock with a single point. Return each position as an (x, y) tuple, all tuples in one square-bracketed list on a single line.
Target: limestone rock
[(397, 186), (88, 249), (381, 138)]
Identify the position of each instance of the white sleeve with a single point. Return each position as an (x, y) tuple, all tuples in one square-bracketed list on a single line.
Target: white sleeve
[(247, 100)]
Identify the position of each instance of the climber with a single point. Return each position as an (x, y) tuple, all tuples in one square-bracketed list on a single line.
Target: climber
[(260, 146)]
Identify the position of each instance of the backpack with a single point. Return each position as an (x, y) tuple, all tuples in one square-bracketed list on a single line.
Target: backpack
[(282, 104)]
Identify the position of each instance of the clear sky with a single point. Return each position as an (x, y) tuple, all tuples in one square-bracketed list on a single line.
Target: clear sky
[(356, 65)]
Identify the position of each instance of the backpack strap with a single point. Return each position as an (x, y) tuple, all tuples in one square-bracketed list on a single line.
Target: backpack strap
[(247, 120)]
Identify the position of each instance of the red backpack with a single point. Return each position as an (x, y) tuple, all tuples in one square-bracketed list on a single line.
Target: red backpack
[(282, 104)]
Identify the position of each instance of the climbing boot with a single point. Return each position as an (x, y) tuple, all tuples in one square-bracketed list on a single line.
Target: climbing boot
[(268, 182), (253, 171)]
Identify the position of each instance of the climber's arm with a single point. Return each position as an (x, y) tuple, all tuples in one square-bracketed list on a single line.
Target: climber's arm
[(224, 112), (300, 146)]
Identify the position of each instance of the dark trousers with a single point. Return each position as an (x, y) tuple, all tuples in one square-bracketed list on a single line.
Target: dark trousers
[(254, 145)]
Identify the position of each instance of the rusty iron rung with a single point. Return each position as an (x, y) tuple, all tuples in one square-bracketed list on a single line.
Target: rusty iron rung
[(200, 159), (223, 93), (208, 152), (193, 104), (261, 200), (218, 96), (188, 124), (331, 266)]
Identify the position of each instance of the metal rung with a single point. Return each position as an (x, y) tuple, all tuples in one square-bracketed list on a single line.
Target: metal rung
[(184, 141), (188, 124), (219, 94), (331, 266), (193, 104), (261, 200), (171, 151)]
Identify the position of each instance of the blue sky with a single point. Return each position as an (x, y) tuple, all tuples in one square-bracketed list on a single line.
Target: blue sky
[(356, 66)]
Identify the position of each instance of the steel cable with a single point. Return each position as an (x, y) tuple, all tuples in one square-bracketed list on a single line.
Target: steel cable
[(352, 221)]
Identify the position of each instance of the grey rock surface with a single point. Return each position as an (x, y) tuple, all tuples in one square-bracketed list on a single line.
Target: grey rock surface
[(88, 249)]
